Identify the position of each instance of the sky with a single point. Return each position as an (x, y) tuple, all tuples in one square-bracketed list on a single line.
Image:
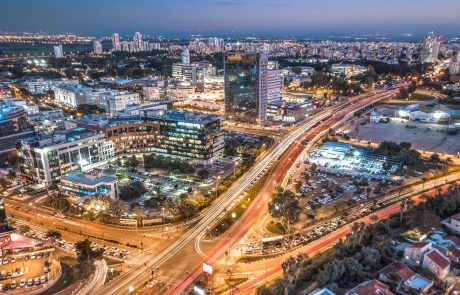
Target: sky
[(277, 17)]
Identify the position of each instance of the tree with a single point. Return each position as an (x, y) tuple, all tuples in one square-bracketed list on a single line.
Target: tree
[(86, 257), (117, 208), (133, 190), (54, 234), (297, 70), (139, 212), (133, 162), (203, 173), (58, 202), (187, 208), (284, 205)]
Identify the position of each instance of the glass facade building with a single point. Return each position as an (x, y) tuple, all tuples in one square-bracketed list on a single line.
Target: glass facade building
[(246, 87)]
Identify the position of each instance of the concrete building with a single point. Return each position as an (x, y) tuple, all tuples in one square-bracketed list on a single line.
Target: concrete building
[(116, 45), (46, 122), (97, 46), (275, 85), (430, 48), (453, 223), (40, 85), (185, 56), (47, 157), (246, 87), (89, 184), (116, 101), (436, 263), (58, 51), (13, 119), (71, 95)]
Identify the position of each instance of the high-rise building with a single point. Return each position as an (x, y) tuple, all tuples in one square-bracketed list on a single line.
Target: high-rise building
[(246, 87), (137, 42), (116, 45), (97, 46), (58, 51), (185, 56), (454, 65), (430, 48), (275, 85)]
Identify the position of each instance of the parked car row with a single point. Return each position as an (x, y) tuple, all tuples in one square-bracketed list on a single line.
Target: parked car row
[(37, 281)]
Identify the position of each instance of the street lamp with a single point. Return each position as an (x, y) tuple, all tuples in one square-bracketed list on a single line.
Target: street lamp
[(131, 289)]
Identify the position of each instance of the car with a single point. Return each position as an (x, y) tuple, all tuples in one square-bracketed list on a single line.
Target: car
[(30, 282), (37, 281), (13, 285), (43, 279), (32, 256), (46, 270), (22, 283), (5, 260), (12, 259)]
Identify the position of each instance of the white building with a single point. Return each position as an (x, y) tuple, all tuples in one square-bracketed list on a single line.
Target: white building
[(39, 86), (116, 45), (453, 223), (97, 46), (46, 122), (185, 56), (58, 51), (275, 85), (430, 48), (437, 263), (48, 157), (71, 95), (89, 184), (348, 70), (116, 101), (192, 73)]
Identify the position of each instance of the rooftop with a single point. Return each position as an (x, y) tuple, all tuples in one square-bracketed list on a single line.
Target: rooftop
[(186, 117), (417, 282), (90, 178), (442, 261), (60, 137), (323, 291), (370, 288), (400, 268)]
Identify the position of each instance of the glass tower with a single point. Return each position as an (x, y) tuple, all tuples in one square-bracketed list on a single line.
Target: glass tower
[(246, 87)]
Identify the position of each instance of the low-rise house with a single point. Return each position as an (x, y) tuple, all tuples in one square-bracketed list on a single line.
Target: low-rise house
[(436, 263), (413, 255), (416, 284), (370, 288), (395, 273), (453, 223)]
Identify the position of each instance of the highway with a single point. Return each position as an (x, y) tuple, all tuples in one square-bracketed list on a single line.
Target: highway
[(137, 274), (292, 149)]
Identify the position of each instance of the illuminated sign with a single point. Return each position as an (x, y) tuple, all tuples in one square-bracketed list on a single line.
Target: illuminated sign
[(207, 268)]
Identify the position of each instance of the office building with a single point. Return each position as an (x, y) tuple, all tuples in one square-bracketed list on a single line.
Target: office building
[(116, 45), (41, 86), (46, 122), (193, 73), (97, 46), (71, 95), (47, 157), (195, 136), (137, 42), (275, 85), (13, 118), (116, 101), (430, 48), (246, 87), (58, 51), (89, 184)]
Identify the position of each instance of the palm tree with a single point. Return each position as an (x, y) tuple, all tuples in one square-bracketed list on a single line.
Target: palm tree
[(140, 213)]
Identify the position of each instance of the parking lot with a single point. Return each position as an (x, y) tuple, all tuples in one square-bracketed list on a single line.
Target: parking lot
[(423, 136), (24, 272)]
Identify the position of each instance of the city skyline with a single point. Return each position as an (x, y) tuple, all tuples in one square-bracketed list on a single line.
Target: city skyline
[(234, 17)]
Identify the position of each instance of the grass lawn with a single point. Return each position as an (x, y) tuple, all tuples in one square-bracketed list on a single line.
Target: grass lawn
[(111, 261), (68, 277)]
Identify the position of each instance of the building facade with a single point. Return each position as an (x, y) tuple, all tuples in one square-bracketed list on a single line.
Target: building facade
[(48, 157), (246, 87), (89, 184)]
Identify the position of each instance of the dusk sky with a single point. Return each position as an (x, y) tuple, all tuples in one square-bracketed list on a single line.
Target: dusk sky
[(288, 17)]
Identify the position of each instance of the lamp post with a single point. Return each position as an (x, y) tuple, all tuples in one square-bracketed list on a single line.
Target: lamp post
[(217, 183)]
